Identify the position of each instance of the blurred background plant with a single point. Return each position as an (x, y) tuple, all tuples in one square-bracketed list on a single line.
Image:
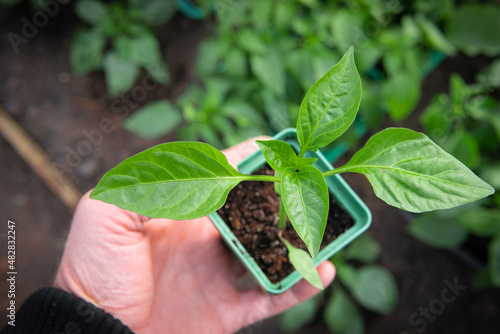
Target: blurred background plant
[(269, 52), (360, 282), (466, 122), (120, 41), (120, 38)]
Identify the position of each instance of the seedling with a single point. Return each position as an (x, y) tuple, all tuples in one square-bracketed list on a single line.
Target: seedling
[(187, 180)]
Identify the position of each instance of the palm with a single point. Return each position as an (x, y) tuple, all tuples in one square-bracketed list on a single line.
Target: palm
[(196, 278)]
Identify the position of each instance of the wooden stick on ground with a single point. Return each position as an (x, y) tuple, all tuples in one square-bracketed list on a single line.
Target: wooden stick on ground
[(39, 160)]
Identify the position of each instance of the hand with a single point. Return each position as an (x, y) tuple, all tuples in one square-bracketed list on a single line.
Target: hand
[(155, 274)]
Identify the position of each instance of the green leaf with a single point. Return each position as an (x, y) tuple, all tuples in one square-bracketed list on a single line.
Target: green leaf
[(120, 74), (458, 89), (208, 134), (438, 230), (279, 155), (180, 180), (284, 14), (153, 12), (270, 70), (208, 56), (489, 112), (411, 33), (260, 15), (107, 26), (475, 29), (236, 63), (244, 114), (143, 50), (321, 59), (409, 171), (347, 274), (191, 94), (91, 11), (436, 10), (490, 76), (295, 318), (342, 315), (402, 93), (251, 42), (434, 36), (435, 118), (365, 249), (216, 92), (276, 111), (159, 72), (86, 51), (393, 61), (348, 28), (188, 132), (330, 106), (368, 59), (494, 261), (371, 111), (305, 197), (376, 289), (463, 146), (299, 65), (309, 3), (304, 264), (154, 120), (481, 221)]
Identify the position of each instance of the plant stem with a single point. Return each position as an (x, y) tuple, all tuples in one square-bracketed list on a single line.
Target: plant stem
[(277, 185), (282, 216), (301, 153), (335, 171), (267, 178)]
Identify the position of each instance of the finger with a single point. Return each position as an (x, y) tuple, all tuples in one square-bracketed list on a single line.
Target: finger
[(236, 153), (260, 305)]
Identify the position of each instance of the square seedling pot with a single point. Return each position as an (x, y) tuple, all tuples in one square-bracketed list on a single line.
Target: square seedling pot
[(337, 186)]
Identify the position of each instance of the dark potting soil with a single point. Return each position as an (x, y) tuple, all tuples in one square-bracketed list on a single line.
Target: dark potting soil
[(251, 211)]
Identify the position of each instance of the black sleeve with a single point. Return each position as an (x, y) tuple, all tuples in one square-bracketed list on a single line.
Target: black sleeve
[(51, 310)]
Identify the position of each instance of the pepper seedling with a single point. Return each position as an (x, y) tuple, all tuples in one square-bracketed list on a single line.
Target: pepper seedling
[(188, 180)]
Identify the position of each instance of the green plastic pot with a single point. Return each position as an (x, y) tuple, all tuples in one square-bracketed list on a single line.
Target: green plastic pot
[(337, 186)]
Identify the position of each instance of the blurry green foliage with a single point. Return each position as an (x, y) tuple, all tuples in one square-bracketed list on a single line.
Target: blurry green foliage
[(466, 123), (121, 41), (168, 118), (475, 28), (360, 282), (270, 52)]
